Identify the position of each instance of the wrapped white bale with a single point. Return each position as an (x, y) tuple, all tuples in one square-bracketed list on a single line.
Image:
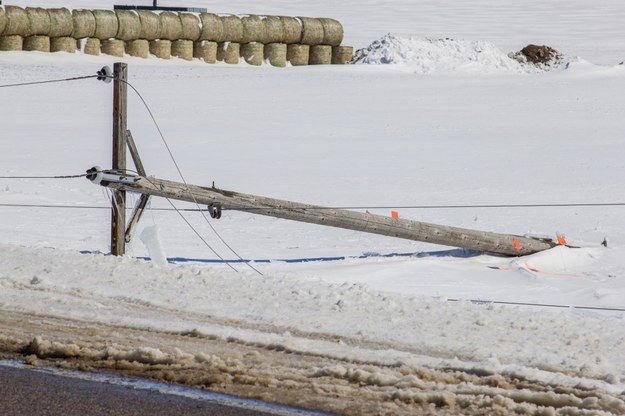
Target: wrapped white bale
[(139, 48), (63, 44), (83, 25), (342, 54), (292, 27), (150, 25), (129, 25), (212, 28), (17, 22), (253, 29), (190, 26), (92, 47), (37, 43), (275, 54), (113, 47), (11, 43), (183, 49), (161, 48), (312, 32), (61, 23), (297, 54), (320, 55), (332, 31), (274, 30), (106, 24), (233, 28), (252, 53), (39, 21), (205, 50), (171, 26)]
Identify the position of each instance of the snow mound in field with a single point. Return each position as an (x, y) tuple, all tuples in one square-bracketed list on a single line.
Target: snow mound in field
[(440, 55)]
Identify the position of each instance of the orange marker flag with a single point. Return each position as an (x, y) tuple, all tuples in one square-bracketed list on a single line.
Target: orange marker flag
[(561, 239), (517, 245), (395, 214)]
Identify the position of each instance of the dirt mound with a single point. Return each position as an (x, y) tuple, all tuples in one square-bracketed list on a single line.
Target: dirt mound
[(542, 56)]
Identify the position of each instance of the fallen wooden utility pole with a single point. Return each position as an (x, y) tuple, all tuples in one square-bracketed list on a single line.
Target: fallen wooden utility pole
[(218, 199)]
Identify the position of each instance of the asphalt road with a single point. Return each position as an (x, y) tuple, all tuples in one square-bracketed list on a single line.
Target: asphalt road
[(24, 391)]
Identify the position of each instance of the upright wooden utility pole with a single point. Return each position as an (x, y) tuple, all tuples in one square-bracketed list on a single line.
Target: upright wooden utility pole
[(120, 105)]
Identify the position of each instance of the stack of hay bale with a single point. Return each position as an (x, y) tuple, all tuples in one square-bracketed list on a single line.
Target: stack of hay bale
[(228, 38)]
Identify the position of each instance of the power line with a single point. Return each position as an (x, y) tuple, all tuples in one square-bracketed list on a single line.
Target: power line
[(51, 81), (581, 204), (545, 305), (317, 208), (82, 175), (171, 155)]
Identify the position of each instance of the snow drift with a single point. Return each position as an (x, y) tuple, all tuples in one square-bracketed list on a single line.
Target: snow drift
[(427, 56)]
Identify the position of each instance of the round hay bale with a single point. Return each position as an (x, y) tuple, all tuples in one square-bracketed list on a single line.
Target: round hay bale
[(92, 47), (332, 31), (252, 53), (17, 22), (342, 54), (190, 26), (253, 29), (39, 21), (11, 43), (312, 32), (297, 54), (229, 52), (129, 25), (205, 50), (161, 48), (212, 28), (113, 47), (139, 48), (171, 26), (275, 54), (106, 24), (233, 28), (63, 44), (274, 30), (320, 55), (183, 49), (37, 43), (3, 20), (61, 23), (84, 24), (292, 27), (150, 25)]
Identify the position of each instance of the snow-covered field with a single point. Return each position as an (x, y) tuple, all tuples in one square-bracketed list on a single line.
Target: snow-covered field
[(437, 116)]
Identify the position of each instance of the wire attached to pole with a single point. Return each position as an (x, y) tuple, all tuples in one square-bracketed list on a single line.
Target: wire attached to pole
[(51, 81), (180, 173), (45, 177)]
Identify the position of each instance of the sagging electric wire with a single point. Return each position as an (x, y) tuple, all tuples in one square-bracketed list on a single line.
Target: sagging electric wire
[(171, 155)]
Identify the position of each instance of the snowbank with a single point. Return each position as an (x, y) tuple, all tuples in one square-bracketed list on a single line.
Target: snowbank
[(425, 56)]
